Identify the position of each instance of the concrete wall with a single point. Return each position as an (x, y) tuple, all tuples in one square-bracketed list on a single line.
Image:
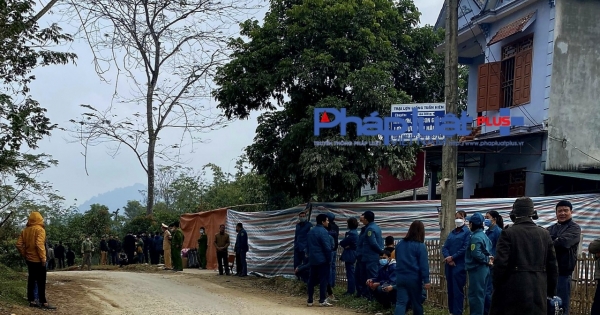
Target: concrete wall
[(463, 7), (542, 29), (574, 111)]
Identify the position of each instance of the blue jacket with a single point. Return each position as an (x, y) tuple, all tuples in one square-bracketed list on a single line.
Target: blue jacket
[(301, 235), (478, 252), (333, 229), (372, 245), (241, 242), (349, 246), (319, 245), (387, 274), (359, 243), (456, 245), (493, 234), (158, 243), (411, 261)]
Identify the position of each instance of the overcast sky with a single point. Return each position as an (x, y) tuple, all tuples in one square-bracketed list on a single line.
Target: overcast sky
[(61, 89)]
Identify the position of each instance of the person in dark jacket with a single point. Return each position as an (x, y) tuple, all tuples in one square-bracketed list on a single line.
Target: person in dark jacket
[(319, 255), (566, 235), (372, 248), (303, 272), (70, 257), (412, 270), (494, 223), (360, 273), (454, 250), (334, 231), (525, 268), (158, 246), (103, 251), (300, 237), (389, 244), (202, 247), (594, 249), (385, 278), (349, 254), (129, 246), (147, 238), (113, 250), (59, 252), (478, 261), (241, 249)]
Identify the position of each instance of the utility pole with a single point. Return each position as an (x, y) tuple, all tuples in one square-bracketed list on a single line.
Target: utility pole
[(450, 152)]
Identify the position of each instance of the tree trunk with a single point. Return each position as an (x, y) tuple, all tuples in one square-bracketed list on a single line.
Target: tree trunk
[(151, 146)]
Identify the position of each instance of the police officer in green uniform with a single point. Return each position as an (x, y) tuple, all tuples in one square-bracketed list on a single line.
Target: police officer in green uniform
[(478, 261), (202, 246), (176, 246)]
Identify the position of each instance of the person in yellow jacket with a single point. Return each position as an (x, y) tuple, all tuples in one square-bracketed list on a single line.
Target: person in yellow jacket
[(167, 246), (32, 246)]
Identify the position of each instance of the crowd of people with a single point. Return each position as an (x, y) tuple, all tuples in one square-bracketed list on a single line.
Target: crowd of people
[(515, 269)]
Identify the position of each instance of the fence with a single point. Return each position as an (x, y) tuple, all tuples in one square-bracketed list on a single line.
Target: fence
[(583, 285)]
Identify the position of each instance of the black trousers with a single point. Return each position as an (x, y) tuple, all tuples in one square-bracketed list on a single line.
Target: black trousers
[(36, 275), (61, 263), (222, 260), (596, 304)]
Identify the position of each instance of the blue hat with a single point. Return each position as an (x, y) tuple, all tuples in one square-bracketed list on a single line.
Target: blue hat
[(330, 216), (476, 219)]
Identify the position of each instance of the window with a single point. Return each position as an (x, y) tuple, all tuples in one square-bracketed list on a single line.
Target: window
[(507, 82)]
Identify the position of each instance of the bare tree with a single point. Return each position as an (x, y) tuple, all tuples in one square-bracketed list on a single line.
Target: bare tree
[(167, 51)]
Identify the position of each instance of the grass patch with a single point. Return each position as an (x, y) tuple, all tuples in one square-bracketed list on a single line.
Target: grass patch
[(13, 286), (361, 305)]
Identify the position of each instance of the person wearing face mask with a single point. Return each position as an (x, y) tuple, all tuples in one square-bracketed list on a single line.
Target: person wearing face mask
[(525, 268), (86, 249), (493, 222), (385, 278), (478, 261), (454, 250), (300, 238), (202, 247)]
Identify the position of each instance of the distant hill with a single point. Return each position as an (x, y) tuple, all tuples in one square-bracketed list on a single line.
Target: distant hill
[(115, 199)]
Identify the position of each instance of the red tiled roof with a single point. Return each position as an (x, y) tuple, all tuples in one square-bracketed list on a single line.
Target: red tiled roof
[(511, 29)]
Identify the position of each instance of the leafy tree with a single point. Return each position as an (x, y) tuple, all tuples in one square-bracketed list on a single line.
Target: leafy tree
[(97, 221), (133, 209), (169, 50), (24, 46), (359, 55)]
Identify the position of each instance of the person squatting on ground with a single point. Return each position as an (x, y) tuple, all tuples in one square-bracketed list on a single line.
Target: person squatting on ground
[(477, 263), (565, 235), (494, 223), (202, 247), (176, 247), (241, 249), (525, 267), (594, 249), (384, 280), (87, 248), (334, 231), (370, 250), (319, 255), (300, 238), (349, 254), (167, 246), (222, 244), (412, 270), (454, 251), (31, 246)]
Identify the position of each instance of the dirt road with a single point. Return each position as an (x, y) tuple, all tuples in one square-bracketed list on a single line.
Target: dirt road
[(190, 292)]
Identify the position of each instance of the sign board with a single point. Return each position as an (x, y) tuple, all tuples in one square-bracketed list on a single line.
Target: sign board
[(367, 190), (428, 111)]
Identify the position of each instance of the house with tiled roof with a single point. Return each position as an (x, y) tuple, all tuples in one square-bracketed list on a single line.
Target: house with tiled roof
[(537, 62)]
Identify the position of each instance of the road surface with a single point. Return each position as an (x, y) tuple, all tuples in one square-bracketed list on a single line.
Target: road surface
[(131, 293)]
